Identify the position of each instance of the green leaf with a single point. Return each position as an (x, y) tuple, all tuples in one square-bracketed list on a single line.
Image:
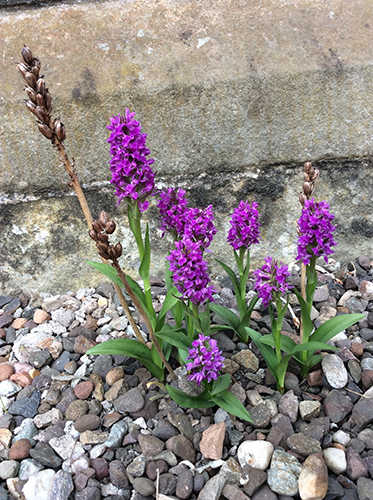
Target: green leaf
[(183, 399), (267, 352), (107, 270), (220, 384), (132, 348), (228, 402), (233, 277), (145, 261), (170, 300), (306, 319), (227, 315), (313, 346), (217, 328), (287, 344), (175, 338), (335, 325), (135, 287)]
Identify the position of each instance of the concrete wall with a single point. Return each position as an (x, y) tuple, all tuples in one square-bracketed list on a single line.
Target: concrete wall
[(234, 95)]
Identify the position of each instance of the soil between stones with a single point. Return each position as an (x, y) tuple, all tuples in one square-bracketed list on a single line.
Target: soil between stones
[(87, 427)]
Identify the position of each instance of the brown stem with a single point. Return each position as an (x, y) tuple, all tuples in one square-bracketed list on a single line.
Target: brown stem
[(139, 307), (304, 295), (75, 184)]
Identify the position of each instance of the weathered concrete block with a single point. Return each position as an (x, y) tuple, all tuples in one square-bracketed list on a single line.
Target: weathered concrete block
[(234, 96)]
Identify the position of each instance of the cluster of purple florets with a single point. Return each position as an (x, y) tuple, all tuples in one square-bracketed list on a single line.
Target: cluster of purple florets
[(190, 274), (271, 280), (181, 221), (193, 231), (172, 206), (132, 174), (245, 226), (316, 231), (207, 360)]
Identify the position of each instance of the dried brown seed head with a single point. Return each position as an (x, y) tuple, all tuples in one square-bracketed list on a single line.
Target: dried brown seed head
[(60, 130), (118, 249), (314, 175), (40, 100), (103, 237), (110, 227), (96, 226), (36, 65), (31, 106), (112, 252), (40, 86), (92, 233), (41, 114), (104, 218), (30, 79), (45, 130), (307, 189), (23, 69), (31, 93), (302, 198), (27, 55), (48, 101)]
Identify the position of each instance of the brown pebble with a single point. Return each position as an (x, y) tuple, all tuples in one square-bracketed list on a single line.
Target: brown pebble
[(40, 316), (22, 379), (2, 334), (357, 349), (314, 379), (83, 390), (19, 323), (110, 419), (82, 344), (5, 371), (114, 375), (20, 449)]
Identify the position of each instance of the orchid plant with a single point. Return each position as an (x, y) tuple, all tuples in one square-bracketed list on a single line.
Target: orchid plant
[(190, 296)]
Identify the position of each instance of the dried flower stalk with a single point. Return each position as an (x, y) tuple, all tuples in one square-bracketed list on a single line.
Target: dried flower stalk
[(39, 102), (101, 229)]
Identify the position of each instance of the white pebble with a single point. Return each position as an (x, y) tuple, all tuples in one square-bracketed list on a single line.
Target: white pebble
[(258, 454), (335, 459)]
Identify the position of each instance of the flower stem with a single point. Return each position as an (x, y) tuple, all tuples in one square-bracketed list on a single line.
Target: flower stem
[(139, 307), (75, 185)]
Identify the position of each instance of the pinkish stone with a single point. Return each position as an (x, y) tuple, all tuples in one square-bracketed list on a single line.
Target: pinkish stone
[(83, 390), (211, 445), (19, 323), (22, 367), (5, 371), (40, 316), (22, 379), (20, 449)]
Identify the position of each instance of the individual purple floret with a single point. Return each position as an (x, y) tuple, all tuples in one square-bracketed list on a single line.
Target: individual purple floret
[(245, 226), (315, 231), (172, 206), (199, 226), (189, 270), (207, 360), (270, 280), (132, 174)]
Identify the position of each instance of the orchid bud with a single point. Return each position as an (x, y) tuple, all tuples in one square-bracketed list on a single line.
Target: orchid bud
[(45, 130), (314, 174), (36, 67), (110, 227), (302, 198), (27, 55)]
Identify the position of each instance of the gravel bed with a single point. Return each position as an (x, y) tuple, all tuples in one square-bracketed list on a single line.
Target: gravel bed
[(89, 427)]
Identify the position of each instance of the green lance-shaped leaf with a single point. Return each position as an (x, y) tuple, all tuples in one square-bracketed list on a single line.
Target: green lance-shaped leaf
[(228, 402), (175, 338), (183, 399), (220, 384), (107, 270), (132, 348), (227, 315), (335, 325)]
